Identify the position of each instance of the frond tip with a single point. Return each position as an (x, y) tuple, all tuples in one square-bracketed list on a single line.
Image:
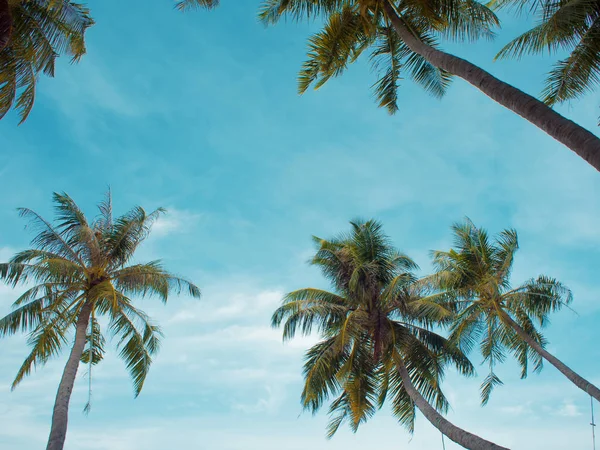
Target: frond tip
[(186, 5)]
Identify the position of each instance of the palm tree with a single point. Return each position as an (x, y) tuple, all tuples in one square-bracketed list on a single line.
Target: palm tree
[(402, 35), (81, 271), (476, 278), (33, 33), (376, 336), (573, 25)]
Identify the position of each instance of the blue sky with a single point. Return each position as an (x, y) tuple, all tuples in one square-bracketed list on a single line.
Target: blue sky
[(199, 113)]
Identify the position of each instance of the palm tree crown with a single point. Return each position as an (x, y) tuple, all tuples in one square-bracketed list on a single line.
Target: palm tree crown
[(373, 322), (37, 32), (475, 276), (81, 266), (354, 26)]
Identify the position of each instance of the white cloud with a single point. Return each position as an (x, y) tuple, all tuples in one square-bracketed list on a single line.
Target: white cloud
[(268, 403), (175, 221), (569, 409), (222, 306)]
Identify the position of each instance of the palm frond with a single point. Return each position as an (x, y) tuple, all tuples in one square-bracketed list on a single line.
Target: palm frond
[(272, 10), (331, 50), (127, 233), (151, 279), (46, 341), (304, 308), (136, 346), (186, 5), (387, 60), (488, 385)]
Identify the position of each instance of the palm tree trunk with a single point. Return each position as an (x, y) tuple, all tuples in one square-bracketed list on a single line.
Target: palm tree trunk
[(574, 136), (458, 435), (60, 415), (577, 380), (6, 24)]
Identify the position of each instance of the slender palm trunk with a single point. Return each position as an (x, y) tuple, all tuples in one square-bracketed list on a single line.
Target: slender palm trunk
[(574, 136), (458, 435), (60, 415), (6, 24), (577, 380)]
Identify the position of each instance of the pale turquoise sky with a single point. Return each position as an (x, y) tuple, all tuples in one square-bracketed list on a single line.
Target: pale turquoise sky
[(199, 113)]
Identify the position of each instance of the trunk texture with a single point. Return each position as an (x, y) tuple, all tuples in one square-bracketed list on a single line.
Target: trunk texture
[(60, 415), (567, 132), (577, 380), (6, 24), (458, 435)]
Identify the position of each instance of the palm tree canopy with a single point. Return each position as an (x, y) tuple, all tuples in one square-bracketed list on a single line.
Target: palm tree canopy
[(564, 25), (373, 318), (475, 277), (352, 27), (42, 31), (73, 263)]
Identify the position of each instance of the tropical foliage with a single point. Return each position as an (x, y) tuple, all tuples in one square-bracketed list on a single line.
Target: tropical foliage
[(377, 341), (78, 271), (38, 33), (360, 26), (353, 27), (402, 36), (570, 25), (475, 276)]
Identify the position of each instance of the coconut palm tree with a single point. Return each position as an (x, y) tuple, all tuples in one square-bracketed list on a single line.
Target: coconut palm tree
[(81, 270), (33, 33), (476, 277), (403, 37), (376, 336), (572, 25)]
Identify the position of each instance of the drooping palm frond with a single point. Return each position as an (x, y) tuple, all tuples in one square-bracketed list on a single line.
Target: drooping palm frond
[(42, 31), (186, 5), (95, 344), (331, 50), (136, 346), (271, 11), (46, 341)]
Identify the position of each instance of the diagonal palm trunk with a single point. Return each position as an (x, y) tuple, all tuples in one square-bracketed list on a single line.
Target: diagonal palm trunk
[(458, 435), (575, 137), (6, 24), (60, 415), (576, 379)]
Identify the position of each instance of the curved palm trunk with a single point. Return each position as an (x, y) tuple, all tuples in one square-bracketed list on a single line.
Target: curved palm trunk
[(574, 136), (60, 415), (577, 380), (458, 435), (6, 24)]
